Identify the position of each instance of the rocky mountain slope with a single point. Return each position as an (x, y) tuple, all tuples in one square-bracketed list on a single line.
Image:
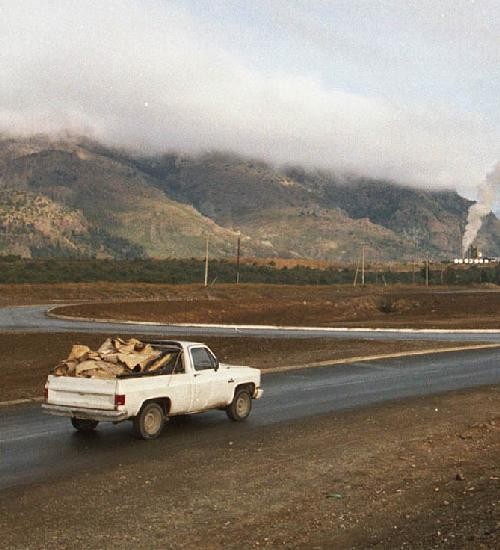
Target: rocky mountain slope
[(76, 197), (124, 211)]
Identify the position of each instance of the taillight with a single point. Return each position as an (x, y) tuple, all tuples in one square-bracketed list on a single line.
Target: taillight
[(46, 392), (119, 400)]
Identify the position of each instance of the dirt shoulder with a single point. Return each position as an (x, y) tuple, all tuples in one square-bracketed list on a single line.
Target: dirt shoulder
[(26, 294), (419, 473), (26, 359), (310, 306)]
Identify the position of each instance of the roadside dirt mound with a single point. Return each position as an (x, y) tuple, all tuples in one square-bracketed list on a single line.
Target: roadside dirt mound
[(312, 306), (390, 304)]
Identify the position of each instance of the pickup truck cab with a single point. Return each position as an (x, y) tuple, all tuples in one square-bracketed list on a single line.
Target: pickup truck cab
[(194, 381)]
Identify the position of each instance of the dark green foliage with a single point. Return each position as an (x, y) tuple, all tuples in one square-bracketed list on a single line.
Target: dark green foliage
[(17, 270), (14, 269), (473, 275)]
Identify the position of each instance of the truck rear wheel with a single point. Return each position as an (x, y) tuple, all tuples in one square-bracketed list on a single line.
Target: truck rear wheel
[(240, 406), (148, 424), (84, 425)]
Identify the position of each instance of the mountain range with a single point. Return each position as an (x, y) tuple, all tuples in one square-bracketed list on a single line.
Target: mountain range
[(76, 197)]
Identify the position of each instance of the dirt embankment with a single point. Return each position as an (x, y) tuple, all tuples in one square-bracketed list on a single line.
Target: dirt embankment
[(26, 359), (420, 473), (311, 306), (25, 294)]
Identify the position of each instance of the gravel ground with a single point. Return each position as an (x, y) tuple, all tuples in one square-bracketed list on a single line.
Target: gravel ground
[(420, 473)]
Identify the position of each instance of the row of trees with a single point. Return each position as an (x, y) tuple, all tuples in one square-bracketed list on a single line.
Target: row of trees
[(177, 271)]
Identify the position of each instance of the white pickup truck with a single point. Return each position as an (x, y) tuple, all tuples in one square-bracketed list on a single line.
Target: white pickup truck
[(194, 381)]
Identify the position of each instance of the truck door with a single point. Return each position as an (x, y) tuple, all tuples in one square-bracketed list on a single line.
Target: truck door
[(206, 380)]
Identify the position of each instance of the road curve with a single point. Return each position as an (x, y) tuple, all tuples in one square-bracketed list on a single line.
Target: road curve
[(32, 444), (34, 319)]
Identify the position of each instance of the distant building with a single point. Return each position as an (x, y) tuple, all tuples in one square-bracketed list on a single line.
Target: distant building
[(474, 256)]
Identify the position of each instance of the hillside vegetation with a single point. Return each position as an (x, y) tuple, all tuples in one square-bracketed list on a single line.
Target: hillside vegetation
[(75, 197)]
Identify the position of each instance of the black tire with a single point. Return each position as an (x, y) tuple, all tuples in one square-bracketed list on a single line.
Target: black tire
[(148, 424), (84, 425), (241, 405)]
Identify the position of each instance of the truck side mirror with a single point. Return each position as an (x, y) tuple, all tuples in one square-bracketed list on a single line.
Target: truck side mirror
[(216, 367)]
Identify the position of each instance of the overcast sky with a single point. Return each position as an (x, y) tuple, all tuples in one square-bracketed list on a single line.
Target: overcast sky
[(385, 88)]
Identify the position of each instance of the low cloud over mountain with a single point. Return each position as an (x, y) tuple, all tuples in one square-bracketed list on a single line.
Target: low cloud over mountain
[(76, 197), (158, 76)]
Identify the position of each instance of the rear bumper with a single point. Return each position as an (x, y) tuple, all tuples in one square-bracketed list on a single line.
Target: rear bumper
[(258, 393), (87, 414)]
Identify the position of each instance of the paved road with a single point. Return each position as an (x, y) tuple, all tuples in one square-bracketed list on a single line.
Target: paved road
[(32, 444), (34, 319)]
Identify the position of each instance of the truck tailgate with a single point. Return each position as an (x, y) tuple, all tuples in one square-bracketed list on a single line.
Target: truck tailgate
[(88, 393)]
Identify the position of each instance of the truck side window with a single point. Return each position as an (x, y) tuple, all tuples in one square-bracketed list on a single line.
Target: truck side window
[(202, 360)]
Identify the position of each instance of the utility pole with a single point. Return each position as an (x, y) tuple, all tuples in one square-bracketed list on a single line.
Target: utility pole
[(427, 272), (356, 274), (238, 251), (206, 262), (363, 265)]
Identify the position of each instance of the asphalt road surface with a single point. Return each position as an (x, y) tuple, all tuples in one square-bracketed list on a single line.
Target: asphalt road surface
[(34, 319), (34, 446)]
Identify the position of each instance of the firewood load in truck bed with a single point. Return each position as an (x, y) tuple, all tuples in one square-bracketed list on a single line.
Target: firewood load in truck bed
[(115, 357)]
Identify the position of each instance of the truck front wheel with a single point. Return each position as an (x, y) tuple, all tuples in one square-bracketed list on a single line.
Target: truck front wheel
[(84, 425), (240, 406), (148, 424)]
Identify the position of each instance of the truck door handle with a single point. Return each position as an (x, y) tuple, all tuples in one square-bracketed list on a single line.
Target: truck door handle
[(230, 381)]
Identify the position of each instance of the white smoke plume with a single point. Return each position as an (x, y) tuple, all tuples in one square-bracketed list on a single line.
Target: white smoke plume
[(485, 201)]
